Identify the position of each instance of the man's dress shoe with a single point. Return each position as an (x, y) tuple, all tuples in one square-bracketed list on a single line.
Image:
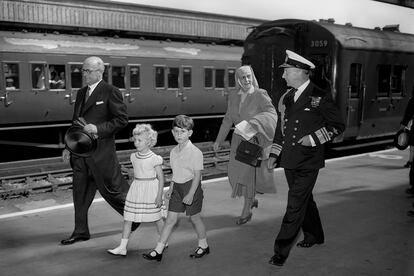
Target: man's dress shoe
[(307, 244), (72, 240), (277, 260)]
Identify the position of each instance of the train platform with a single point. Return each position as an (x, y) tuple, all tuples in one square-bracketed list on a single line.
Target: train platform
[(361, 200)]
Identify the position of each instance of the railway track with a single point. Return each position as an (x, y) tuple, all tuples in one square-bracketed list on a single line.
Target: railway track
[(23, 178)]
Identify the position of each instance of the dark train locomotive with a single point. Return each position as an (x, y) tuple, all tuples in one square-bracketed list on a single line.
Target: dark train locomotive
[(40, 74), (370, 72)]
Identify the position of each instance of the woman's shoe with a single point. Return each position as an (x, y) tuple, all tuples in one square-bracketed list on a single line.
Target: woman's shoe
[(255, 204), (153, 255), (200, 252), (244, 220), (117, 252)]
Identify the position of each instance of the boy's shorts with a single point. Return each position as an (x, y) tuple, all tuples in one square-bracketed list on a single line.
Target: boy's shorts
[(180, 190)]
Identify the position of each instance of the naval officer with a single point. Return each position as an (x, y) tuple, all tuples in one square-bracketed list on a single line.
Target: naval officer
[(308, 118)]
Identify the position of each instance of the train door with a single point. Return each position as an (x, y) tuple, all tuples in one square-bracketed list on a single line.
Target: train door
[(117, 75), (165, 98), (75, 81), (356, 94), (10, 82), (269, 53), (210, 97), (133, 85), (381, 98), (41, 94)]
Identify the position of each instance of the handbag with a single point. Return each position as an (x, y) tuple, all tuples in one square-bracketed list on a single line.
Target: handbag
[(249, 153), (402, 139)]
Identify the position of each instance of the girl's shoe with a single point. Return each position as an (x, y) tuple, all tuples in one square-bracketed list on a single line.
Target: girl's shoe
[(200, 252), (153, 255), (117, 252)]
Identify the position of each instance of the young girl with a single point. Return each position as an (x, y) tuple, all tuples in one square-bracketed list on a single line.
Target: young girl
[(144, 199)]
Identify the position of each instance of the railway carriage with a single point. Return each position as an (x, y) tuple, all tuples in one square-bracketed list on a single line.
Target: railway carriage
[(41, 73), (370, 72)]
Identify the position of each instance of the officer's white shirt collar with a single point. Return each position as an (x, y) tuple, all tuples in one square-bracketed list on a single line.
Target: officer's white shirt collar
[(93, 86), (300, 90)]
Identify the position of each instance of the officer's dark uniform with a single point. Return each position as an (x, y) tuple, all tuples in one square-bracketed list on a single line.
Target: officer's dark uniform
[(315, 114)]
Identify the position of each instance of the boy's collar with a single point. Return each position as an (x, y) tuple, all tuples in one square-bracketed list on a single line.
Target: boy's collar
[(183, 145)]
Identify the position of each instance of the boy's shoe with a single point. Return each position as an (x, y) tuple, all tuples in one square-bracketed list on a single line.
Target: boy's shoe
[(200, 252), (153, 255)]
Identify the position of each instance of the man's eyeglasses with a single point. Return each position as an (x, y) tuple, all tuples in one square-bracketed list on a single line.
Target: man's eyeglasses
[(88, 71)]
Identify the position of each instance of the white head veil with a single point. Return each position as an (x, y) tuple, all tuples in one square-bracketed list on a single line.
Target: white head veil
[(243, 70)]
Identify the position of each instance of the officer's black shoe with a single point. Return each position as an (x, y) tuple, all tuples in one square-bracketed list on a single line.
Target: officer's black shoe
[(277, 259)]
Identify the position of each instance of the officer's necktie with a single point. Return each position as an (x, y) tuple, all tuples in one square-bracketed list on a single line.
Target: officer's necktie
[(289, 98)]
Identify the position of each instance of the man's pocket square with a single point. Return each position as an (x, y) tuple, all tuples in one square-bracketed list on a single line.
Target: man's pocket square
[(307, 109), (98, 103)]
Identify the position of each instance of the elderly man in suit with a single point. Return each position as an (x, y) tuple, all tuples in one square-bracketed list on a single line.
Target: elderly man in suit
[(307, 119), (101, 106)]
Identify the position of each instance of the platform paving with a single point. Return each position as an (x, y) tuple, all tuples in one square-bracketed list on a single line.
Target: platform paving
[(361, 201)]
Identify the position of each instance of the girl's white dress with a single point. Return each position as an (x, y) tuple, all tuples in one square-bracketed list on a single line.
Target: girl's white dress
[(140, 201)]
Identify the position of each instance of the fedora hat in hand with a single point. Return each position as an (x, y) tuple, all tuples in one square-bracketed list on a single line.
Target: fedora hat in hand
[(79, 142), (401, 139)]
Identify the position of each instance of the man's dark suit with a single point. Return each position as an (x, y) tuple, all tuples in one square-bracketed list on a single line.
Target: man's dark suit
[(408, 116), (105, 109), (314, 114)]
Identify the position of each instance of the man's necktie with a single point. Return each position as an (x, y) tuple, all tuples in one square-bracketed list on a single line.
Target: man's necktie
[(87, 94), (289, 98)]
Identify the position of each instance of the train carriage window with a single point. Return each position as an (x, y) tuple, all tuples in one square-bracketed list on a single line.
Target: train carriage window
[(321, 75), (135, 76), (398, 80), (38, 76), (11, 76), (159, 77), (208, 77), (76, 75), (187, 77), (118, 76), (219, 78), (231, 77), (173, 75), (384, 80), (355, 78), (57, 76)]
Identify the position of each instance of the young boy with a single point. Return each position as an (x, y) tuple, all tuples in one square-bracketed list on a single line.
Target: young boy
[(185, 191)]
